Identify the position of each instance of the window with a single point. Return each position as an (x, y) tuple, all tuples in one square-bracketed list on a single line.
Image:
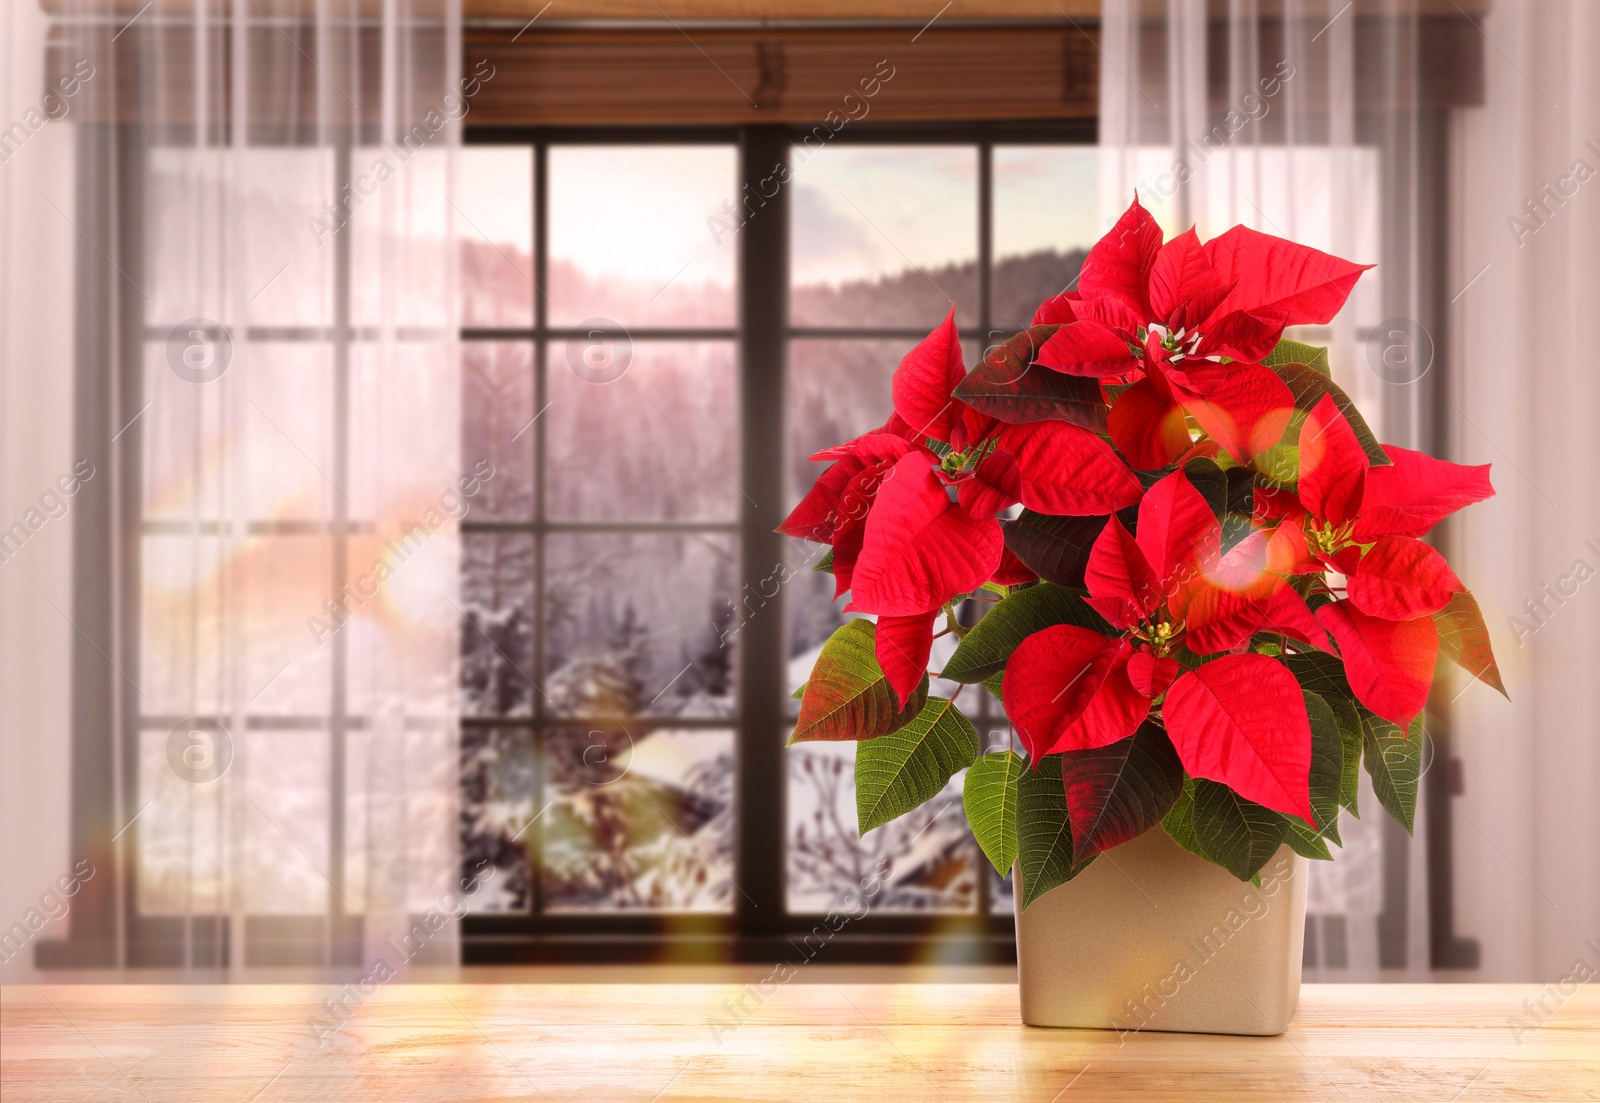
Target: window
[(609, 610)]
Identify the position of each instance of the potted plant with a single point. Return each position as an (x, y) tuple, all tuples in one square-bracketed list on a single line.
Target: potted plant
[(1207, 604)]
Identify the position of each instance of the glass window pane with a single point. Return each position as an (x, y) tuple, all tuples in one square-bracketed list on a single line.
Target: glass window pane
[(811, 609), (497, 427), (287, 824), (195, 638), (397, 192), (931, 858), (650, 436), (1046, 217), (277, 196), (884, 236), (494, 211), (634, 235), (639, 822), (497, 805), (837, 390), (497, 630), (279, 427), (179, 833), (1002, 900), (639, 624)]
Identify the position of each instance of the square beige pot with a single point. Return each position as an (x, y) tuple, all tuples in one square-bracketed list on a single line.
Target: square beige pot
[(1151, 937)]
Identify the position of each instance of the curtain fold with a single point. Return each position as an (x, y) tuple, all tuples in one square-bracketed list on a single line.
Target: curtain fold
[(1525, 281), (282, 364)]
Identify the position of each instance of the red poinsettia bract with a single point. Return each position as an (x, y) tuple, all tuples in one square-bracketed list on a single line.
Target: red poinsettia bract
[(1364, 522), (1239, 719), (912, 527), (1188, 324)]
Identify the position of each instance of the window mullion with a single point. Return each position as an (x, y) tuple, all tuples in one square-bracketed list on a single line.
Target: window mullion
[(541, 319), (763, 299)]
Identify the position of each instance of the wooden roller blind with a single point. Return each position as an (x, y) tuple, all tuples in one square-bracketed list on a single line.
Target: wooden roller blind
[(791, 76)]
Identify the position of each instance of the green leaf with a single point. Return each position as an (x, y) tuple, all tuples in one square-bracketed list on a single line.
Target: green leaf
[(848, 695), (799, 693), (1306, 842), (1179, 823), (994, 683), (1465, 639), (1350, 734), (1394, 760), (1044, 834), (1054, 548), (1293, 352), (1009, 386), (990, 642), (1230, 493), (897, 772), (1308, 386), (825, 564), (1120, 791), (1238, 834), (990, 799), (1321, 673), (1279, 465), (1327, 765)]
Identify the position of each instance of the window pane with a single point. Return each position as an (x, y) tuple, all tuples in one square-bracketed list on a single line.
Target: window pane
[(639, 822), (837, 390), (1002, 900), (812, 611), (932, 858), (494, 208), (195, 638), (649, 436), (497, 804), (1045, 220), (271, 414), (276, 196), (639, 624), (497, 630), (497, 427), (287, 824), (179, 834), (633, 235), (884, 236), (395, 196)]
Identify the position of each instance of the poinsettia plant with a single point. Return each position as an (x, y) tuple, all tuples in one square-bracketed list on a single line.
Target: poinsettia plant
[(1206, 596)]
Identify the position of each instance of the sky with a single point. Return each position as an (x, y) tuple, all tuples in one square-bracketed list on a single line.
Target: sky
[(649, 214), (646, 213)]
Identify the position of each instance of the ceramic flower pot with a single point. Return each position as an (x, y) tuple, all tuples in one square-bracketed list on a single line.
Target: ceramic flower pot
[(1150, 937)]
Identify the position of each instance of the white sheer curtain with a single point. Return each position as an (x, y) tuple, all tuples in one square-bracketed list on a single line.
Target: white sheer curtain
[(1247, 112), (1525, 180), (268, 186)]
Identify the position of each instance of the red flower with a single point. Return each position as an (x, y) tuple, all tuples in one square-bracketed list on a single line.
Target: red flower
[(1363, 522), (1188, 324), (1239, 719), (901, 545), (1049, 466)]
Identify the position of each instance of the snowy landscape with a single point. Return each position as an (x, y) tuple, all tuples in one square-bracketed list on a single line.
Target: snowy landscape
[(639, 628)]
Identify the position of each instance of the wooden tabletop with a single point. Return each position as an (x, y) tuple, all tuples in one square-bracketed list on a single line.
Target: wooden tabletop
[(817, 1043)]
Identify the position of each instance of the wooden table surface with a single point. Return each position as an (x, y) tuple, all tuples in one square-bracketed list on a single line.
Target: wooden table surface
[(820, 1043)]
